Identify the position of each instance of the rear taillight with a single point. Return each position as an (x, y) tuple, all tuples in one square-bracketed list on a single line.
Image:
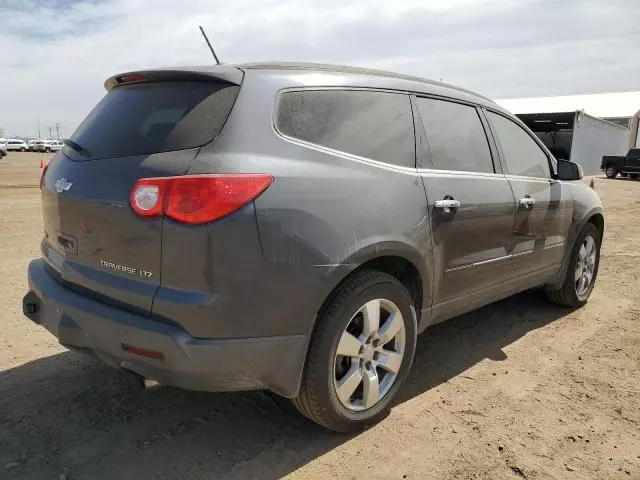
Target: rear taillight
[(196, 199), (147, 195)]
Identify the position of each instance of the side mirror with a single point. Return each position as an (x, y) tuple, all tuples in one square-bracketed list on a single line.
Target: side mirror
[(569, 170)]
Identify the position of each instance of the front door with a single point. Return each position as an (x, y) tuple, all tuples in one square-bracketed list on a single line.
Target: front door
[(543, 205), (470, 203)]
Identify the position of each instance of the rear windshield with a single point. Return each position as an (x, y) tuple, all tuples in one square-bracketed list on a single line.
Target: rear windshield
[(141, 119)]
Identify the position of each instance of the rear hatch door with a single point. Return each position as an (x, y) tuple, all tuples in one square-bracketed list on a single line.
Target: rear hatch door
[(94, 242)]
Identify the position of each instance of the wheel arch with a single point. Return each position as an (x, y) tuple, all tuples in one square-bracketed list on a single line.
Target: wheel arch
[(595, 217), (395, 265), (399, 260)]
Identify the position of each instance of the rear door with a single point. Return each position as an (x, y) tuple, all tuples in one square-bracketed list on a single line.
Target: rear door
[(470, 203), (544, 205), (93, 241)]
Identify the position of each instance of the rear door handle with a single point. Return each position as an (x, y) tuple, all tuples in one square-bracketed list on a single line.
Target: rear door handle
[(527, 201), (447, 205)]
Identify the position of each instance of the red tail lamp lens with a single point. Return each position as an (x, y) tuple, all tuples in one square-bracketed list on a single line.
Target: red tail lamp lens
[(197, 199), (207, 198), (43, 171)]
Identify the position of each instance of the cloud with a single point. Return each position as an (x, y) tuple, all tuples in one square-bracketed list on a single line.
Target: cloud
[(59, 52)]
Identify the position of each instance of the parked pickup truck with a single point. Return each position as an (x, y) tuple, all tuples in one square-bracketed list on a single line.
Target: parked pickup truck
[(627, 165)]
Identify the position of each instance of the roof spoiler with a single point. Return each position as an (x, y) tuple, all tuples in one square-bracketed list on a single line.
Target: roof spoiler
[(219, 73)]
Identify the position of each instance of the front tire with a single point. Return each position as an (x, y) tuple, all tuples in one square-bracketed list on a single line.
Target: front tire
[(582, 271), (610, 172), (633, 175), (360, 353)]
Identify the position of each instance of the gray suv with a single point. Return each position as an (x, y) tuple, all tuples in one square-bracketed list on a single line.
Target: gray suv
[(294, 227)]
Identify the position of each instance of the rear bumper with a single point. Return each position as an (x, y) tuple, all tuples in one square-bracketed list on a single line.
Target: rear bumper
[(82, 323)]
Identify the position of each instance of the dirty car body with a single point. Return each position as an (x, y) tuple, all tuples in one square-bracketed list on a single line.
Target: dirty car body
[(234, 303)]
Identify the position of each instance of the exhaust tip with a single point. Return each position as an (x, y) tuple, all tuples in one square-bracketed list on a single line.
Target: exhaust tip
[(150, 384), (31, 306)]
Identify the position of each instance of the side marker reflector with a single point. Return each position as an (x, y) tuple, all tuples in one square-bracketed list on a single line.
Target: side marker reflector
[(143, 352)]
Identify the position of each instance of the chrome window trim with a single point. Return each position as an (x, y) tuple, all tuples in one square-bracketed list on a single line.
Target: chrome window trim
[(370, 161), (349, 156), (530, 179)]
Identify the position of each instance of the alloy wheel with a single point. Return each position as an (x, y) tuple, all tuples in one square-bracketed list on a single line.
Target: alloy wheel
[(369, 355), (585, 266)]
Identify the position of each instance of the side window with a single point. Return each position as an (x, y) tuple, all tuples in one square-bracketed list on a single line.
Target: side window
[(522, 154), (374, 125), (634, 153), (456, 137)]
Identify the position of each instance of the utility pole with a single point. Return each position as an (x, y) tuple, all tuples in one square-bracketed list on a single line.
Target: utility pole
[(50, 130), (1, 132), (39, 136), (57, 130)]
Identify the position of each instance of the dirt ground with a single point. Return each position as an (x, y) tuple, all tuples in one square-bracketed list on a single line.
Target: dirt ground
[(518, 389)]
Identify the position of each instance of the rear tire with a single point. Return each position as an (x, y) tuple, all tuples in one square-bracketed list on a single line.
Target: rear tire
[(610, 172), (583, 263), (347, 350)]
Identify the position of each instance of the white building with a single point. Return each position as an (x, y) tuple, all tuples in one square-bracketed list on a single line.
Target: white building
[(582, 128)]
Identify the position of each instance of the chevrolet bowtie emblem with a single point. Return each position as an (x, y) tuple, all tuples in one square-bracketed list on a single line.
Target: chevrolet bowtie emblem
[(62, 185)]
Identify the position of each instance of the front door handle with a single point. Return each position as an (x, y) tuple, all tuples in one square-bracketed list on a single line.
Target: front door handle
[(447, 205), (527, 201)]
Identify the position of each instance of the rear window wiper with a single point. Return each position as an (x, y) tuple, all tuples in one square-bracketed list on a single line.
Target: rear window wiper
[(77, 147)]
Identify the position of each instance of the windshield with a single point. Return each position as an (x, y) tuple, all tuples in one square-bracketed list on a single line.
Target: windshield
[(141, 119)]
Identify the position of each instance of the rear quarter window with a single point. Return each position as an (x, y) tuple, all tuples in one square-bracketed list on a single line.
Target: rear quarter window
[(148, 118), (373, 125)]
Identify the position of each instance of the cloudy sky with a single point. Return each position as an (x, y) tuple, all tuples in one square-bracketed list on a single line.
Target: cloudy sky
[(57, 53)]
